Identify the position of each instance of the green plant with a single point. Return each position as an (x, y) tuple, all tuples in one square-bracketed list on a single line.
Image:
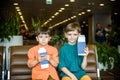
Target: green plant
[(58, 40), (36, 24), (9, 27), (107, 55), (113, 38)]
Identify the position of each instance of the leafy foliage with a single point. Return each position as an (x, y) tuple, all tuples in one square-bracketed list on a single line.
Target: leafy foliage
[(108, 54), (9, 27), (58, 40), (36, 24)]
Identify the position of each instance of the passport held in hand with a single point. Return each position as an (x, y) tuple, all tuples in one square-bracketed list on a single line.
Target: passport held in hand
[(81, 45), (44, 64)]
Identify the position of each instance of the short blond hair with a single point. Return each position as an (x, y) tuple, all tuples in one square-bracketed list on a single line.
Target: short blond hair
[(73, 26)]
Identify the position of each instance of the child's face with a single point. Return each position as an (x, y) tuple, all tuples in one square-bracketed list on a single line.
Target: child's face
[(43, 39), (72, 36)]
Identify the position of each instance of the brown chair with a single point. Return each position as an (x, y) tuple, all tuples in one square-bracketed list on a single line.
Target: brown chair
[(2, 63), (92, 67), (18, 63)]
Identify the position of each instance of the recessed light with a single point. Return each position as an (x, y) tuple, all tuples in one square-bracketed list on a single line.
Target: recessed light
[(101, 4), (112, 0), (62, 8), (82, 12), (88, 10), (72, 0), (15, 4), (115, 13), (53, 16), (79, 14), (66, 5)]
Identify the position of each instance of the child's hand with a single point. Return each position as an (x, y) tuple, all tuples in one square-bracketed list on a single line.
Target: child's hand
[(86, 51), (47, 57), (73, 77), (39, 59)]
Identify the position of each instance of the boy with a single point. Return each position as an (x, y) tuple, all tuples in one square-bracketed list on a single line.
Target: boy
[(36, 61), (71, 65)]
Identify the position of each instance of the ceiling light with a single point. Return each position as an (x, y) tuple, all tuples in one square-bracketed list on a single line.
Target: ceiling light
[(69, 19), (73, 17), (50, 19), (82, 12), (88, 10), (21, 17), (15, 4), (91, 3), (20, 13), (53, 16), (23, 21), (56, 13), (18, 10), (82, 25), (66, 4), (101, 4), (84, 22), (62, 8), (26, 26), (79, 14), (72, 0), (115, 13), (112, 0), (17, 7)]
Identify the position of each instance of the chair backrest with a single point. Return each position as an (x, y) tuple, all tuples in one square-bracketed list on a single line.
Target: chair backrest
[(18, 63), (92, 67)]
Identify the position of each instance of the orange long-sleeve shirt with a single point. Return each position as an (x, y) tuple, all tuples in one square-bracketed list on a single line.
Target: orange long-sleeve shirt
[(37, 72)]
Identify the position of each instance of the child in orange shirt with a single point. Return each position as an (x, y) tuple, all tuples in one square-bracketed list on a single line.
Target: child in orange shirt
[(45, 65)]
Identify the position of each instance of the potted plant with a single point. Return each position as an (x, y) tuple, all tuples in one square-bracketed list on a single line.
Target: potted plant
[(10, 34), (9, 27), (108, 56)]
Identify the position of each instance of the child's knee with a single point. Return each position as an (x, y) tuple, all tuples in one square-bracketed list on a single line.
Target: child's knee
[(66, 78), (86, 77)]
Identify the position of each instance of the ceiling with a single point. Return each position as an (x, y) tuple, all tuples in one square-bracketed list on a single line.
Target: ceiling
[(38, 9)]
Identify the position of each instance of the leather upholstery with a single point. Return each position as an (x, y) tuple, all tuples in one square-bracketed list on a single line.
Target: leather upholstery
[(18, 63), (92, 62), (20, 71)]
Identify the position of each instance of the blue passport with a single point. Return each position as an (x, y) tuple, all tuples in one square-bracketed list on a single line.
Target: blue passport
[(44, 64), (81, 45)]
